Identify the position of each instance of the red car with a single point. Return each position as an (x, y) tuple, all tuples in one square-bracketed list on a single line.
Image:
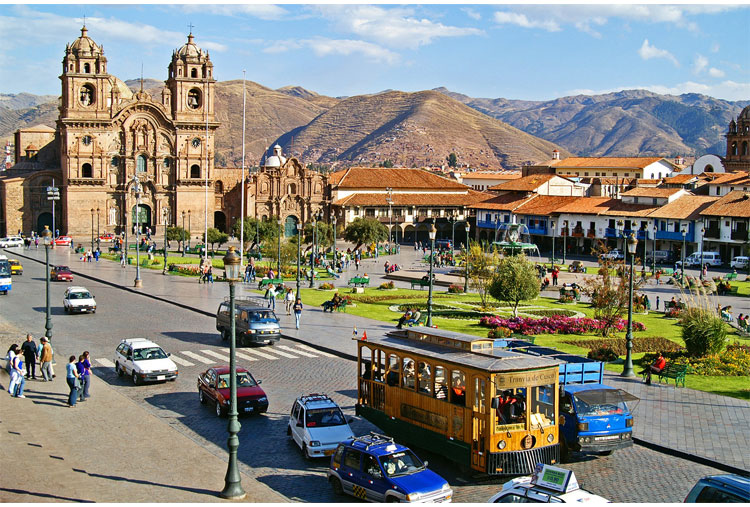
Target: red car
[(213, 387), (107, 237), (63, 241), (61, 274)]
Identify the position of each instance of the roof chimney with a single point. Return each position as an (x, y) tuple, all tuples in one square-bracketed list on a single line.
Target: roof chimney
[(555, 155)]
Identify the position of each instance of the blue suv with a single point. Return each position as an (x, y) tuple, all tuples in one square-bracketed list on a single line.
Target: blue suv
[(377, 469), (729, 488)]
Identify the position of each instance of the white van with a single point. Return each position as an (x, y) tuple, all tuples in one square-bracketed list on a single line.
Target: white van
[(709, 259)]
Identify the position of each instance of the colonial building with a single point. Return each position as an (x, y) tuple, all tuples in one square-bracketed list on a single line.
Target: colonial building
[(107, 136), (738, 143)]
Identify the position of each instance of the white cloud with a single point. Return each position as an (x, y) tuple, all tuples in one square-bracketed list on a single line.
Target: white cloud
[(700, 64), (714, 72), (512, 18), (322, 47), (472, 13), (647, 52), (265, 12), (396, 27), (715, 47)]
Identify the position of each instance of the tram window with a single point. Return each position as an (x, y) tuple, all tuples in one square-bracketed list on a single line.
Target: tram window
[(425, 378), (458, 388), (479, 395), (378, 366), (510, 406), (441, 386), (409, 373), (393, 369), (542, 406)]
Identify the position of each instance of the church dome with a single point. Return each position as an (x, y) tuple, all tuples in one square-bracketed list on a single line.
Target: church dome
[(275, 160), (85, 45), (745, 114), (190, 49)]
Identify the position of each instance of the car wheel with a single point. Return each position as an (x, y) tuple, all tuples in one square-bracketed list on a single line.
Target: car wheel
[(118, 370), (305, 452), (336, 485), (392, 499), (289, 431), (219, 411), (201, 397), (136, 379), (224, 334), (606, 453), (564, 451)]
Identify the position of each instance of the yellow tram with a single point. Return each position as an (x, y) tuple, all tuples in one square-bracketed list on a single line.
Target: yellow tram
[(459, 396)]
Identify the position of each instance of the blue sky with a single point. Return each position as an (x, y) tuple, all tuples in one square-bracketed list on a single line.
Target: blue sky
[(530, 52)]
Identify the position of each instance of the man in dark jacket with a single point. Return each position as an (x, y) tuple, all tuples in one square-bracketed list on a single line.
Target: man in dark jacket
[(29, 356)]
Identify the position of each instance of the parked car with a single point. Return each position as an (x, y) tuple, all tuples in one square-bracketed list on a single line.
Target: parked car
[(107, 237), (694, 259), (254, 322), (375, 468), (317, 425), (60, 274), (213, 387), (79, 299), (728, 488), (739, 262), (614, 254), (11, 242), (549, 484), (63, 241), (144, 361), (15, 267), (661, 256)]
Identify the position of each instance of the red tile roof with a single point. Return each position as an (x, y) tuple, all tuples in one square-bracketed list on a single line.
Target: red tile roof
[(524, 184), (621, 209), (607, 162), (505, 202), (545, 204), (734, 204), (687, 207), (380, 178), (586, 206), (730, 178), (413, 199), (651, 192), (680, 179)]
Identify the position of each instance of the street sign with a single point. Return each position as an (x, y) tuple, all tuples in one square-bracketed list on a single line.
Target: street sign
[(53, 194)]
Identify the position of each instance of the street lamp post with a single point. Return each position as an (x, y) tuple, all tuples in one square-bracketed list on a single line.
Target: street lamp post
[(189, 229), (299, 251), (389, 200), (433, 233), (333, 249), (165, 213), (621, 233), (183, 234), (466, 277), (552, 260), (232, 480), (137, 192), (628, 370), (682, 264), (97, 228), (47, 241), (653, 251), (703, 235), (565, 240), (278, 259), (312, 252), (92, 229)]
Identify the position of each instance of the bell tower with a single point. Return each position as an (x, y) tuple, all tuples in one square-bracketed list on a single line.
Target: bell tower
[(738, 143), (190, 85), (86, 86)]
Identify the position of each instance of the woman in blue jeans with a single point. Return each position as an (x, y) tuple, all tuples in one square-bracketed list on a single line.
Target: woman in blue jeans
[(72, 378)]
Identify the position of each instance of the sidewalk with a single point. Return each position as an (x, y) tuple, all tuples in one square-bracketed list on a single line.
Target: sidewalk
[(106, 449), (694, 422)]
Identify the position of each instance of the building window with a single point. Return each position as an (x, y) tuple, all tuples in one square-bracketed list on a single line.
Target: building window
[(86, 140), (86, 171), (370, 212), (195, 171), (166, 163), (291, 189), (585, 174), (140, 164), (655, 201), (627, 175), (193, 72), (734, 148), (194, 98), (87, 95), (86, 68), (115, 162), (596, 174), (218, 187)]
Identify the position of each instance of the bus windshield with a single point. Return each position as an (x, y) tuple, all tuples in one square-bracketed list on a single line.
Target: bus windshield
[(4, 269)]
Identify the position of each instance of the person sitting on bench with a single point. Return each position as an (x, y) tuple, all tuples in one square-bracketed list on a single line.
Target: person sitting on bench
[(657, 367), (332, 304), (415, 316)]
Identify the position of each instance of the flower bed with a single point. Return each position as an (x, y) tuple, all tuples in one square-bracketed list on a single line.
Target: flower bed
[(733, 362), (455, 289), (640, 344), (563, 312), (387, 285), (326, 286), (553, 325)]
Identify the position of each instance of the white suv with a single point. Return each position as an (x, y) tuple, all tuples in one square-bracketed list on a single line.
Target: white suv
[(11, 241), (79, 299), (739, 262), (317, 425), (144, 361)]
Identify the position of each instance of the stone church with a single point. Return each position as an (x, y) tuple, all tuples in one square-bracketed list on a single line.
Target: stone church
[(107, 137)]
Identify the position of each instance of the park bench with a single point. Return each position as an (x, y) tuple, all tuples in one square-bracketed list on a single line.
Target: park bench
[(359, 281), (342, 306), (674, 371), (731, 291), (670, 304), (421, 321), (266, 281), (420, 283), (731, 276)]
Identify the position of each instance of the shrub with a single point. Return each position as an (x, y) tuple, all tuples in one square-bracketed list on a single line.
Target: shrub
[(326, 286), (499, 332), (703, 331), (455, 289), (734, 361), (672, 313), (387, 285), (551, 313), (554, 325), (640, 344), (605, 354)]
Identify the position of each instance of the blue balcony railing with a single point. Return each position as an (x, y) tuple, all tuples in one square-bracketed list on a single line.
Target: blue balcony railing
[(675, 236), (539, 231)]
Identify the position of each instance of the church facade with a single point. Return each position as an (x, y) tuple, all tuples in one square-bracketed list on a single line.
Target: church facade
[(107, 139)]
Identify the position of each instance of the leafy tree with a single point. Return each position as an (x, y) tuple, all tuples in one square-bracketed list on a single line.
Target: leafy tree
[(515, 281), (482, 270), (215, 236), (452, 160), (323, 235), (387, 163), (176, 234), (288, 253), (365, 231), (268, 230)]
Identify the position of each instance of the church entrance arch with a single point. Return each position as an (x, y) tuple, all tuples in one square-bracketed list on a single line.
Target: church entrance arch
[(290, 226), (42, 220), (220, 221), (143, 218)]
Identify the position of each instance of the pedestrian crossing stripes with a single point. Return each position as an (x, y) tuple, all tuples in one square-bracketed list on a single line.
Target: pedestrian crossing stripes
[(221, 355)]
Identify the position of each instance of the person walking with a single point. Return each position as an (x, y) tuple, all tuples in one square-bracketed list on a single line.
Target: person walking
[(15, 370), (123, 259), (657, 303), (30, 356), (271, 294), (297, 311), (289, 300), (83, 367), (73, 381), (45, 358)]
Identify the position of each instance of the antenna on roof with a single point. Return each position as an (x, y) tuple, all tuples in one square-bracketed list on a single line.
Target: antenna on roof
[(84, 21)]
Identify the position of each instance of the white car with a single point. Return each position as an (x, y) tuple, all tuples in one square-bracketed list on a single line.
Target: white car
[(144, 361), (317, 425), (739, 262), (549, 484), (11, 241), (79, 299)]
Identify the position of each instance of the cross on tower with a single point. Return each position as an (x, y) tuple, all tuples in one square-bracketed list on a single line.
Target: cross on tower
[(190, 27)]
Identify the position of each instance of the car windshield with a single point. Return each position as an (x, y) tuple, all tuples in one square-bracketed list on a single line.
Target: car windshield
[(244, 379), (62, 269), (149, 353), (401, 463), (79, 295), (597, 409), (263, 316), (324, 417)]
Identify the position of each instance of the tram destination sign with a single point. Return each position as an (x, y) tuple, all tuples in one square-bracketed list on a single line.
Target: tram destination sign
[(526, 378)]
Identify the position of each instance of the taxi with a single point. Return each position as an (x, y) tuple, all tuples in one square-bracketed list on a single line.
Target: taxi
[(317, 425), (548, 484), (375, 468), (15, 267)]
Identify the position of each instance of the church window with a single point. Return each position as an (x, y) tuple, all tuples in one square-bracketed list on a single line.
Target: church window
[(291, 189), (166, 163), (196, 142), (194, 98), (744, 148), (193, 72), (709, 169), (195, 171), (86, 68), (218, 187), (86, 171), (734, 148), (86, 140), (140, 164), (115, 162), (87, 95)]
